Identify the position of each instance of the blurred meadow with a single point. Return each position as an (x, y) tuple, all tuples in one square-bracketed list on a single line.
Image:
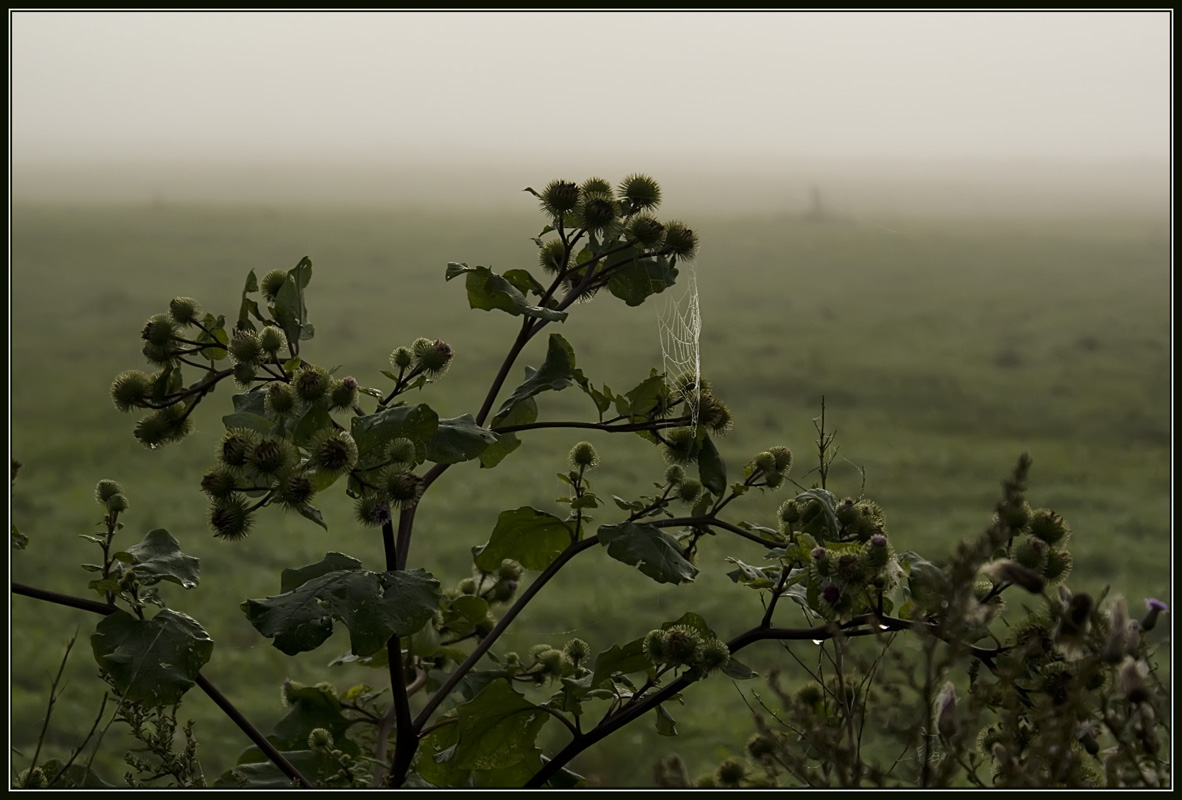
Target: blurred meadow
[(943, 346), (953, 227)]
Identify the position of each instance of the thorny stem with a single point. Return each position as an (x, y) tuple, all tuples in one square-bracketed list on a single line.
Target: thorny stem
[(224, 704)]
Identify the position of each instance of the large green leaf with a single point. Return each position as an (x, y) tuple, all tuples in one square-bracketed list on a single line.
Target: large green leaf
[(522, 413), (635, 282), (152, 661), (249, 308), (649, 549), (532, 537), (159, 558), (711, 468), (290, 311), (556, 373), (488, 290), (640, 401), (496, 729), (459, 439), (291, 579), (627, 658), (373, 606), (375, 431)]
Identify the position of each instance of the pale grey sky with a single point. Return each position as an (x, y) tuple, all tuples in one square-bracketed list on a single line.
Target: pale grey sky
[(1013, 85)]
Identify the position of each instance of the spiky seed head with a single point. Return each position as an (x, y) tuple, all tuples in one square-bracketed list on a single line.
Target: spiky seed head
[(270, 457), (551, 661), (1049, 527), (295, 491), (715, 415), (245, 348), (682, 645), (184, 310), (105, 489), (166, 425), (467, 586), (343, 394), (831, 594), (280, 400), (510, 570), (559, 197), (681, 445), (576, 651), (160, 354), (131, 389), (1057, 567), (230, 518), (402, 451), (689, 491), (403, 488), (773, 480), (244, 374), (789, 512), (236, 445), (680, 240), (372, 510), (1031, 553), (850, 568), (320, 739), (647, 231), (764, 461), (117, 503), (760, 746), (1017, 516), (272, 282), (401, 358), (218, 482), (1004, 570), (730, 773), (714, 655), (598, 211), (583, 456), (783, 456), (553, 257), (159, 330), (596, 186), (503, 591), (433, 357), (656, 646), (674, 474), (272, 340), (333, 451), (311, 383), (640, 192)]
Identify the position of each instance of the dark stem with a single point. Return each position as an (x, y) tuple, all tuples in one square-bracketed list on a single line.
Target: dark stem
[(218, 698), (632, 427), (861, 625), (519, 344), (406, 742), (488, 641)]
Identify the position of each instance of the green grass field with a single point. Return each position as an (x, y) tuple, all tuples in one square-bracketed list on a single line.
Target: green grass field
[(943, 349)]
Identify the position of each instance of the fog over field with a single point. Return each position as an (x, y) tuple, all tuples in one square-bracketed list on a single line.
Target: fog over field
[(895, 113)]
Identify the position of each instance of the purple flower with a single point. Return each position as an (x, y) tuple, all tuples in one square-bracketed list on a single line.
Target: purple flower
[(831, 594), (1155, 607), (878, 540), (818, 553)]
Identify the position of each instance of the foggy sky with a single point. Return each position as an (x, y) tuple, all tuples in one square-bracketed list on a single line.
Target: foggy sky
[(1014, 85)]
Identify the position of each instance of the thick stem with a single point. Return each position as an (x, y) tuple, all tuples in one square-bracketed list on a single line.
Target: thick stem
[(488, 641), (519, 344), (220, 699)]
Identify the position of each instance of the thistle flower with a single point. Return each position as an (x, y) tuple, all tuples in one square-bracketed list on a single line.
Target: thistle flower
[(333, 451), (1155, 608), (597, 211), (105, 490), (640, 192), (674, 475), (647, 231), (730, 773), (714, 655), (681, 445), (159, 330), (432, 357), (245, 348), (372, 510), (553, 257), (576, 650), (280, 400), (680, 240), (343, 394)]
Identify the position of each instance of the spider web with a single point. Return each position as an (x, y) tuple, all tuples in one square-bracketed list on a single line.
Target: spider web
[(680, 327)]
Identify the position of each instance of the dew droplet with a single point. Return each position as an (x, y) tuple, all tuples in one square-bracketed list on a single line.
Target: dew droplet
[(884, 627), (817, 641)]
